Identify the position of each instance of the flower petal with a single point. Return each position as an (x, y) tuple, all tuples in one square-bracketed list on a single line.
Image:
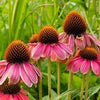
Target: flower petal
[(88, 42), (65, 47), (70, 64), (37, 51), (1, 94), (30, 72), (76, 65), (14, 75), (24, 77), (71, 42), (53, 56), (5, 74), (5, 97), (98, 57), (47, 51), (94, 39), (3, 63), (37, 71), (62, 37), (95, 67), (85, 67), (24, 97), (80, 43), (60, 53), (15, 97)]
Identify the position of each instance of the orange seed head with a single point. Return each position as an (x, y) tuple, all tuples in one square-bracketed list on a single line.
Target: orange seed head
[(48, 34), (17, 52)]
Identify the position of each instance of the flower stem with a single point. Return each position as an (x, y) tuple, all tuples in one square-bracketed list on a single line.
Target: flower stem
[(87, 84), (82, 88), (49, 79), (40, 82), (58, 78), (70, 84)]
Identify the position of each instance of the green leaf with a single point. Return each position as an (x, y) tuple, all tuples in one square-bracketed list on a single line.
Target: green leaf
[(53, 95), (17, 16), (93, 90), (31, 97), (76, 80), (64, 94)]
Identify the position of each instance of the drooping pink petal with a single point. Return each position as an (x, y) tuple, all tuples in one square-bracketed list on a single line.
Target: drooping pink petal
[(94, 39), (85, 67), (62, 37), (31, 46), (47, 51), (5, 74), (24, 97), (37, 71), (53, 56), (15, 97), (5, 97), (14, 75), (98, 57), (71, 41), (3, 63), (88, 42), (24, 77), (11, 97), (76, 65), (95, 67), (65, 47), (1, 94), (18, 96), (70, 64), (80, 43), (2, 70), (37, 51), (30, 72), (60, 53)]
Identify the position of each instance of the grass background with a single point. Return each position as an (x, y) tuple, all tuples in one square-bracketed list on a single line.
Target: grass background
[(19, 19)]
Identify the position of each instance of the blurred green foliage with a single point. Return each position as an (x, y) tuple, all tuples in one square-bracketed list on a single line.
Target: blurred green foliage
[(19, 19)]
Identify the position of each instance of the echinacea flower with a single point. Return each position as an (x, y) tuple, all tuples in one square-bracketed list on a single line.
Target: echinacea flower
[(34, 38), (12, 92), (85, 60), (48, 45), (16, 65), (74, 27)]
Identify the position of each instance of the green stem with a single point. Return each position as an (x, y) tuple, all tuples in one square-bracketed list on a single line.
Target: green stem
[(87, 84), (58, 78), (40, 82), (99, 21), (82, 88), (49, 79), (70, 84)]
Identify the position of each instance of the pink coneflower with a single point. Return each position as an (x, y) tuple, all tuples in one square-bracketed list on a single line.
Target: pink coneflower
[(49, 45), (17, 65), (74, 27), (12, 92), (34, 38), (85, 60)]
